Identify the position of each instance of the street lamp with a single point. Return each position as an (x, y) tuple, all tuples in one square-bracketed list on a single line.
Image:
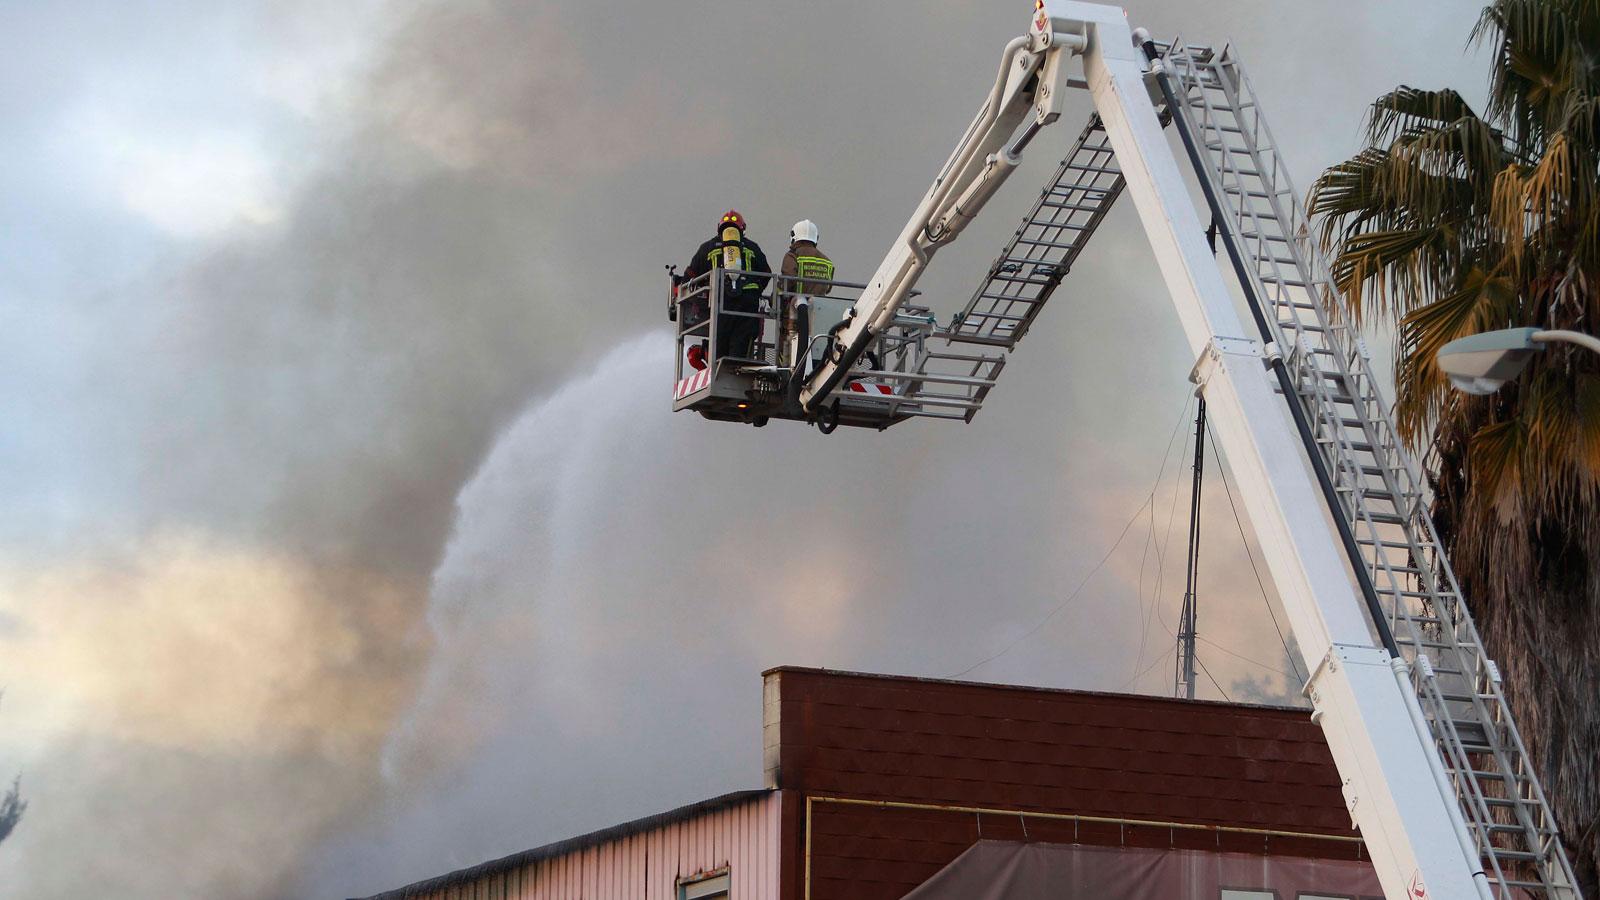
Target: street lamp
[(1482, 363)]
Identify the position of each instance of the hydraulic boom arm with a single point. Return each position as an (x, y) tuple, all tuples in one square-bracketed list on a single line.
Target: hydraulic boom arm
[(1033, 78)]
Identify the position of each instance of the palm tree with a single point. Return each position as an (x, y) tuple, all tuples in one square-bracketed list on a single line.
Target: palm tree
[(12, 806), (1451, 223)]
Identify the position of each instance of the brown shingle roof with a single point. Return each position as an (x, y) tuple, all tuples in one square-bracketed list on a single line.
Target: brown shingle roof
[(1037, 749), (963, 744)]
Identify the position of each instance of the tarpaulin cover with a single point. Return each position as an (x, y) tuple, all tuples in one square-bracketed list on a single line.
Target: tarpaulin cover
[(1010, 870)]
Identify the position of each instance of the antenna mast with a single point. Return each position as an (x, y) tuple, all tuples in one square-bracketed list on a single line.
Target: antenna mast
[(1184, 674)]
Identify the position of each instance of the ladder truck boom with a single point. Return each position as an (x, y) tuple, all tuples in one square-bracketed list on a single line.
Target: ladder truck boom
[(1434, 771), (1384, 755), (1032, 78)]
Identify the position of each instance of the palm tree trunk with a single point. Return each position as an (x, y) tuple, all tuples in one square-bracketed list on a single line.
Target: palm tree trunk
[(1535, 593)]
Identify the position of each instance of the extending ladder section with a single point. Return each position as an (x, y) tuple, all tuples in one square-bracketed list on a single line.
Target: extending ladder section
[(953, 383), (1044, 247), (1383, 497)]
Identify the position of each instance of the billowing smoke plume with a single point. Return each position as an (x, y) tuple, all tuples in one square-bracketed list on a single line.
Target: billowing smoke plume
[(619, 576), (348, 537)]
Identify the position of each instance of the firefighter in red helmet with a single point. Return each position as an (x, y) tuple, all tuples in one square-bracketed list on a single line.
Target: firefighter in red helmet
[(730, 250)]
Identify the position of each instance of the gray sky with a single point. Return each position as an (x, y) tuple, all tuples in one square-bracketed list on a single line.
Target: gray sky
[(348, 536)]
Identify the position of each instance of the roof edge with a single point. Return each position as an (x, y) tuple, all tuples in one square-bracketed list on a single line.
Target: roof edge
[(1076, 692), (563, 847)]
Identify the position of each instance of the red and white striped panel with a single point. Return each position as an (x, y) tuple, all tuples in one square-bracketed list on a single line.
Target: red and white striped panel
[(870, 387), (697, 381)]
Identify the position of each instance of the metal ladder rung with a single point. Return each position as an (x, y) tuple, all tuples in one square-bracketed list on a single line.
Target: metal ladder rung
[(1330, 376), (1526, 885), (940, 400), (1430, 645), (1254, 236), (1259, 195), (1075, 207), (1348, 422), (1036, 266), (1009, 298), (1220, 147), (1469, 733), (1503, 802), (1431, 595), (991, 315), (1358, 446), (1523, 855), (1295, 325), (1393, 545), (1016, 279), (1342, 399), (1373, 470), (924, 377), (1049, 224), (1369, 494), (963, 357), (1089, 191), (985, 340), (1497, 776), (967, 397), (931, 414), (1463, 698), (1203, 105), (1051, 244)]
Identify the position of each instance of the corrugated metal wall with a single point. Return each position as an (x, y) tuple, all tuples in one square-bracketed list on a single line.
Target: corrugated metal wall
[(743, 839)]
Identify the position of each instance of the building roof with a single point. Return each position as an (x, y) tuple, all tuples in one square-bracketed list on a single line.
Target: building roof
[(1096, 754), (561, 848), (901, 775), (913, 680)]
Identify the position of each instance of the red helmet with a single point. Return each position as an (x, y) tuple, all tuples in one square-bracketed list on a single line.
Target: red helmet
[(732, 217)]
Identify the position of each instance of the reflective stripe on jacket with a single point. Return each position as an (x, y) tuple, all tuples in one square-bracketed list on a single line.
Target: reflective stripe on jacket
[(805, 261), (709, 257)]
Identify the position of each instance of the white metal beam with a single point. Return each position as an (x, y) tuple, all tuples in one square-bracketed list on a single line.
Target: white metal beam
[(1392, 775)]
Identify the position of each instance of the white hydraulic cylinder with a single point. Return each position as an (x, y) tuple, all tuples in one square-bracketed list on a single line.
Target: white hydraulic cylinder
[(1392, 774)]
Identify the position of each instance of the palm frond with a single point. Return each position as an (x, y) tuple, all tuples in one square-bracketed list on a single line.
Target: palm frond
[(1588, 431), (1495, 453), (1406, 108), (1421, 386)]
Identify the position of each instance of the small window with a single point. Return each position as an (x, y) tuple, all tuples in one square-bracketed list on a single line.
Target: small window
[(704, 887)]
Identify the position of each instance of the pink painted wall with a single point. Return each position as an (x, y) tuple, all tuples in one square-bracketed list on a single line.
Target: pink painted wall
[(646, 866)]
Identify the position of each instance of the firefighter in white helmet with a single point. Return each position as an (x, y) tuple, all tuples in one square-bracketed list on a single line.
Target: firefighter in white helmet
[(806, 269)]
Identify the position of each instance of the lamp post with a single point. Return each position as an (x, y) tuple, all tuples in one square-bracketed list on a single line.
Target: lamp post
[(1483, 363)]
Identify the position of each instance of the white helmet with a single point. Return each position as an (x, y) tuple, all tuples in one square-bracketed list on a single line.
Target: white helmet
[(804, 230)]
